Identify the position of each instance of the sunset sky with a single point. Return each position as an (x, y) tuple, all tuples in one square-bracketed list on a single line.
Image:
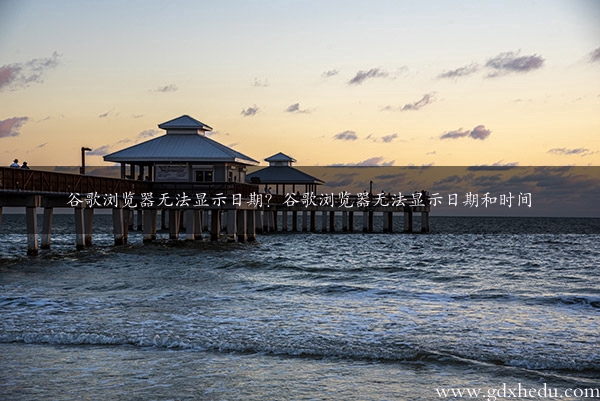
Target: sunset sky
[(390, 83)]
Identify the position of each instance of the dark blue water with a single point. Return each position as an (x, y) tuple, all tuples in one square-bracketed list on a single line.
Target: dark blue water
[(302, 316)]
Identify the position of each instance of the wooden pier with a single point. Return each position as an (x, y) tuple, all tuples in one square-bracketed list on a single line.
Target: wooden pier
[(234, 221)]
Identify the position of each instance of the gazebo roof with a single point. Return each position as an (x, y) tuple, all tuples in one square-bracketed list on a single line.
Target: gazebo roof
[(184, 122), (280, 157), (183, 142), (282, 175)]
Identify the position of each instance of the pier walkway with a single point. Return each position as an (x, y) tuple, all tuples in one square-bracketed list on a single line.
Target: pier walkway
[(235, 209)]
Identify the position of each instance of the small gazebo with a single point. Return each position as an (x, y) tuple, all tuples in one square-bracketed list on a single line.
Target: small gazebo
[(281, 176), (183, 154)]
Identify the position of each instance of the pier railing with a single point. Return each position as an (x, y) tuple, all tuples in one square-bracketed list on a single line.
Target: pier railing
[(43, 182)]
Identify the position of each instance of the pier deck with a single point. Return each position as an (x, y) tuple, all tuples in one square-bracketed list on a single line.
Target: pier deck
[(236, 209)]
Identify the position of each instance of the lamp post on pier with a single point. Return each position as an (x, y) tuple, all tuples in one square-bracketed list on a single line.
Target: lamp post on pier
[(82, 168)]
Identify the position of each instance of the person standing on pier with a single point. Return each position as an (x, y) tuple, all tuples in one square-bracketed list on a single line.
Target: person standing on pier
[(25, 166), (15, 164)]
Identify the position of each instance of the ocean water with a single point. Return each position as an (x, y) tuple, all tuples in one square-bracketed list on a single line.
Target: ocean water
[(490, 304)]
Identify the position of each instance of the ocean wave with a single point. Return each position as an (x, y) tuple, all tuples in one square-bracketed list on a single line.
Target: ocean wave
[(391, 352)]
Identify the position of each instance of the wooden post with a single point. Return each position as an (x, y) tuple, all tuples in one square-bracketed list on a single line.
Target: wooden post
[(324, 221), (150, 217), (284, 220), (424, 222), (215, 225), (190, 224), (371, 218), (32, 231), (241, 225), (332, 221), (294, 220), (173, 223), (313, 221), (365, 221), (345, 221), (198, 224), (47, 227), (305, 220), (139, 220), (119, 225), (351, 221), (231, 225), (88, 221), (80, 228), (388, 222), (408, 224), (251, 224), (258, 224)]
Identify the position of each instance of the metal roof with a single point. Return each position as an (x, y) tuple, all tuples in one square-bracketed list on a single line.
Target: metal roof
[(283, 175), (184, 122), (280, 157), (185, 144)]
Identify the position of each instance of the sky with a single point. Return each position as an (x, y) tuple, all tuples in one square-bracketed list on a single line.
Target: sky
[(381, 83)]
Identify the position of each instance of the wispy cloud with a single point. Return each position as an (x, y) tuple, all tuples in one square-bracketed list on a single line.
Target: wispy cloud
[(594, 56), (427, 98), (375, 161), (571, 151), (509, 62), (362, 76), (330, 73), (100, 151), (11, 126), (166, 88), (346, 136), (108, 113), (149, 133), (40, 146), (424, 101), (295, 108), (260, 83), (389, 138), (250, 111), (479, 132), (460, 72), (20, 75)]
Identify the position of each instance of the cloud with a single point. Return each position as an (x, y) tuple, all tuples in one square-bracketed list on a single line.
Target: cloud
[(346, 136), (260, 83), (108, 113), (569, 152), (167, 88), (20, 75), (594, 56), (424, 101), (250, 111), (149, 133), (427, 98), (375, 161), (362, 76), (330, 73), (389, 138), (11, 126), (479, 132), (508, 62), (40, 146), (100, 151), (460, 72), (295, 108)]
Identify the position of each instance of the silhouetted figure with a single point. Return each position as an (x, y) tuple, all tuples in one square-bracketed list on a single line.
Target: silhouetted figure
[(25, 166), (15, 164)]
